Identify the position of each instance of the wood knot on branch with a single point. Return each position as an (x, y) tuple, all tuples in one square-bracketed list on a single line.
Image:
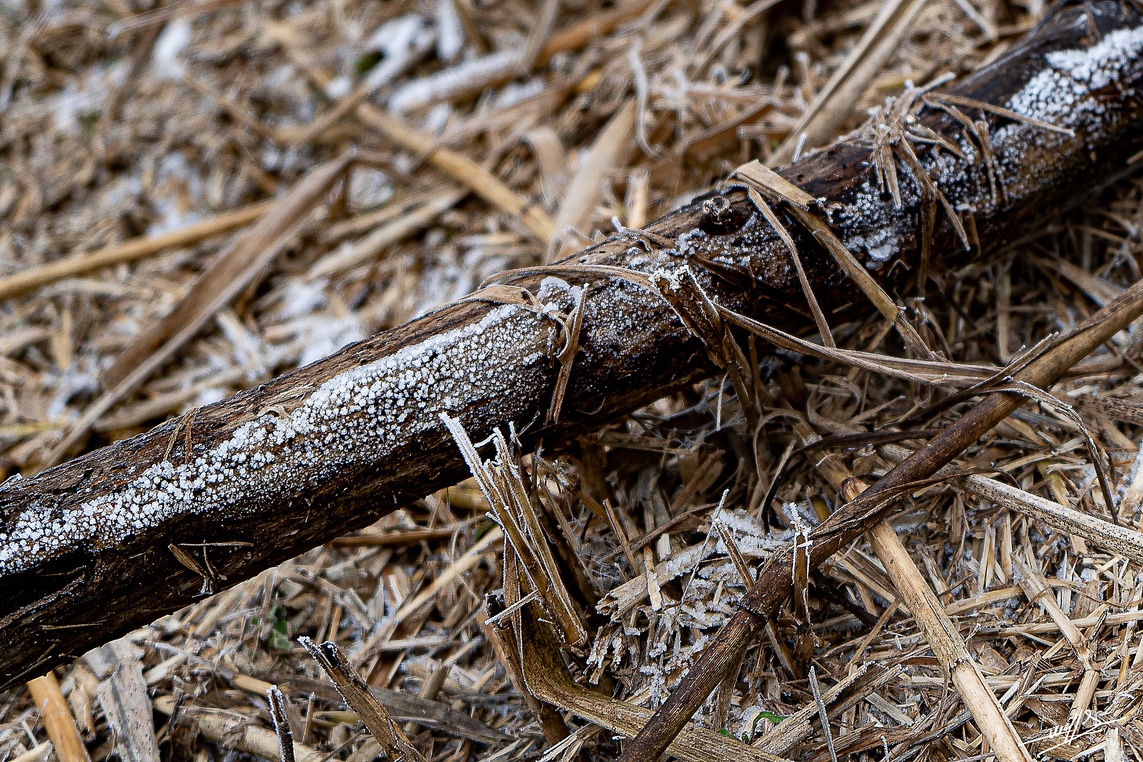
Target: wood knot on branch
[(715, 211), (719, 216)]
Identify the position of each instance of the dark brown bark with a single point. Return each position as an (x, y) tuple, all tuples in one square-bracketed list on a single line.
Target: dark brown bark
[(116, 538)]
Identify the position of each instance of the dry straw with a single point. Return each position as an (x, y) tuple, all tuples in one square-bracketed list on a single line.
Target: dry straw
[(198, 198)]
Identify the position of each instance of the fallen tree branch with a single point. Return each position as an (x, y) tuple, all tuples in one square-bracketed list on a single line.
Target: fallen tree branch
[(122, 535)]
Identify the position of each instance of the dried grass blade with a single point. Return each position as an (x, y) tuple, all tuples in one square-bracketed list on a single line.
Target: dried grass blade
[(233, 270), (503, 486), (221, 727), (732, 30), (573, 327), (57, 719), (838, 699), (1099, 290), (551, 158), (929, 613), (369, 247), (1068, 413), (803, 279), (860, 276), (1037, 590), (1102, 533), (992, 108), (507, 648), (38, 753), (735, 553), (607, 154), (470, 559), (769, 183), (823, 715), (596, 25), (948, 645), (277, 701), (541, 31), (766, 181), (129, 251), (681, 290), (497, 68), (528, 539), (167, 13), (834, 103), (717, 138), (461, 168), (937, 372)]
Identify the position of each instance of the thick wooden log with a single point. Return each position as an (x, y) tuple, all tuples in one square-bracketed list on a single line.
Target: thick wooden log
[(122, 535)]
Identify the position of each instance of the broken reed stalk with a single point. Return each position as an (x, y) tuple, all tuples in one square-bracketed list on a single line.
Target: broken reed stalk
[(864, 513), (122, 535), (384, 729), (57, 719), (277, 704)]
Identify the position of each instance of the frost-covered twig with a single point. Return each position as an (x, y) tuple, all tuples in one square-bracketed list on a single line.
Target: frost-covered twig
[(122, 535)]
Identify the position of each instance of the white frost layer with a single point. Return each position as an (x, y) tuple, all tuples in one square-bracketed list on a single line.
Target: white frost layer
[(1096, 65), (1056, 92), (325, 335), (349, 420)]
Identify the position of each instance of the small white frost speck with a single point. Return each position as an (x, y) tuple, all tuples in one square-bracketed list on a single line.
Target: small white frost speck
[(880, 244), (437, 118), (400, 42), (518, 92), (169, 47), (302, 297), (557, 294), (685, 243), (450, 31), (338, 87), (209, 395), (249, 352), (326, 335), (369, 188), (81, 377), (83, 95)]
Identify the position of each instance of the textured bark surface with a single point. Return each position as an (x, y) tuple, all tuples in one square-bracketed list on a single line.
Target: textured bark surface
[(122, 535)]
